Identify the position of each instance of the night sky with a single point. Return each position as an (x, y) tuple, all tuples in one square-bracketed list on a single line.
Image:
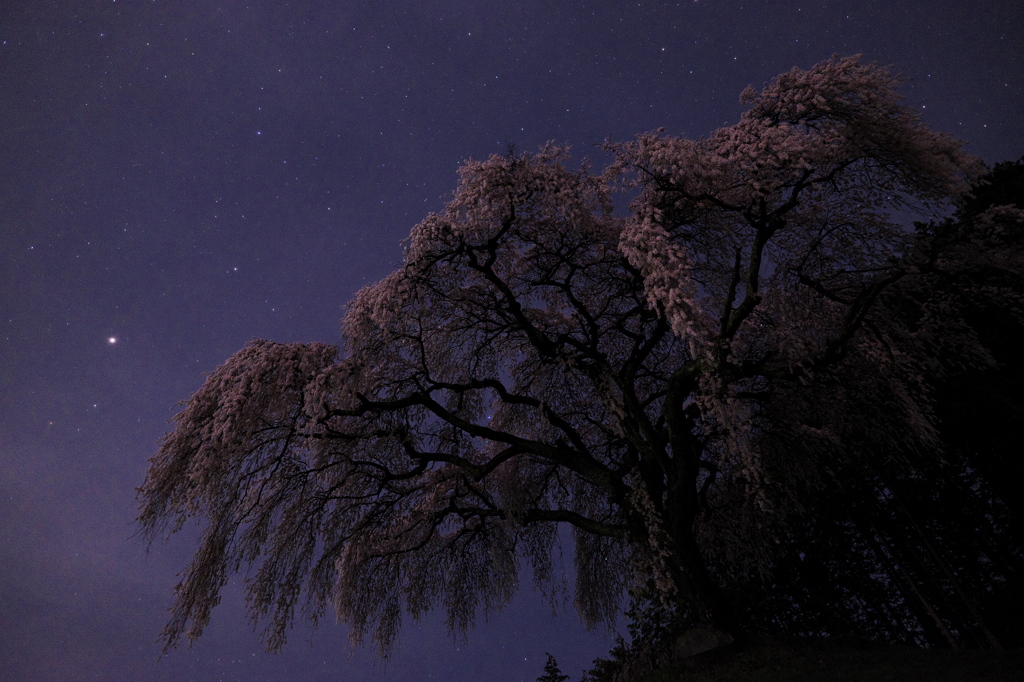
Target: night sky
[(181, 176)]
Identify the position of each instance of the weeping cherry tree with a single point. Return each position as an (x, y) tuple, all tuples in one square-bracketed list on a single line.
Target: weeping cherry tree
[(663, 383)]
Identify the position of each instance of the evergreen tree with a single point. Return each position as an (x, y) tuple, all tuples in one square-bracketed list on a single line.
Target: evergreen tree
[(551, 672)]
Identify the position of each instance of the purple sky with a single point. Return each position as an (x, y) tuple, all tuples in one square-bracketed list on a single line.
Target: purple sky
[(185, 175)]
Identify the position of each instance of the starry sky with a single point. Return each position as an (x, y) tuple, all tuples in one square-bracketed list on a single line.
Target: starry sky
[(178, 177)]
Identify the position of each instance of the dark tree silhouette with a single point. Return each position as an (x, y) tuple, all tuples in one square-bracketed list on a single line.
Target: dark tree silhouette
[(673, 385), (551, 672), (931, 553)]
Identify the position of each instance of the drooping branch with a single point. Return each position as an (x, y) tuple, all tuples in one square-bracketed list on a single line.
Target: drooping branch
[(667, 383)]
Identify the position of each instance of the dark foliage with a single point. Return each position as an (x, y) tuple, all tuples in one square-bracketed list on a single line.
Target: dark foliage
[(931, 555), (551, 672)]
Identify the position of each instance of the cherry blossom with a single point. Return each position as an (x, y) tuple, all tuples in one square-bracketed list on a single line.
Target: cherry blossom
[(663, 382)]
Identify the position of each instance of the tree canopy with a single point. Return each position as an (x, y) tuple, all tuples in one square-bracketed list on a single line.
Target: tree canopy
[(678, 383)]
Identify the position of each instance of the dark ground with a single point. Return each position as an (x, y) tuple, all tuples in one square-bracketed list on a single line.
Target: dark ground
[(778, 660)]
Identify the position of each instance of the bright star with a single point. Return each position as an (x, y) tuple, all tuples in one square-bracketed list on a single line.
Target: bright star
[(112, 340)]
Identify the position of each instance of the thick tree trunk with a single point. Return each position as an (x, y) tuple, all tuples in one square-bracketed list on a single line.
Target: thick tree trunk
[(700, 600)]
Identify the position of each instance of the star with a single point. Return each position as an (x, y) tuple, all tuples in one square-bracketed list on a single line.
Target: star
[(112, 340)]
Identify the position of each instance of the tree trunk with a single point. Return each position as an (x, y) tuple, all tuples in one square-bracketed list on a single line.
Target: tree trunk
[(710, 605), (700, 600)]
